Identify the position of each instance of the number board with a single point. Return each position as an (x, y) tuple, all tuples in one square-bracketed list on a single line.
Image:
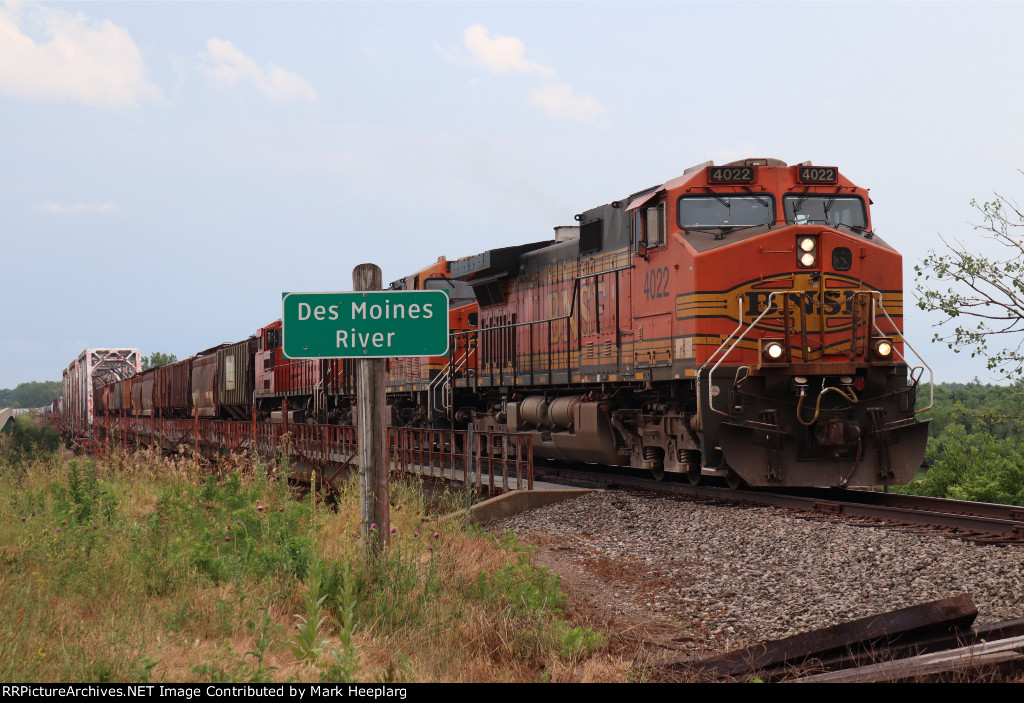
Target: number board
[(731, 174), (362, 325), (819, 174)]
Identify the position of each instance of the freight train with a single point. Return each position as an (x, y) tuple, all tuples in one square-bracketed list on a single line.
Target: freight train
[(741, 321)]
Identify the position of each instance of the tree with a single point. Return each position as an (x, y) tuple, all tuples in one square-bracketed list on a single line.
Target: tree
[(32, 394), (157, 359), (982, 296)]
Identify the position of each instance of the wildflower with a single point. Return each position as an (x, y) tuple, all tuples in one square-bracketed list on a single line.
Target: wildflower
[(227, 538), (416, 533), (260, 508), (430, 548), (64, 522), (23, 518), (216, 542), (95, 527), (281, 509), (58, 529), (394, 530), (373, 526), (423, 519), (436, 535), (272, 479)]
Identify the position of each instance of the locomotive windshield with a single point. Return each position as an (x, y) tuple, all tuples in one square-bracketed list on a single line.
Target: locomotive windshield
[(725, 210), (824, 210)]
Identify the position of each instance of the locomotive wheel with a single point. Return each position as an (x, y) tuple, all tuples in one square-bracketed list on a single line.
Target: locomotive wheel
[(658, 474), (694, 476), (734, 480)]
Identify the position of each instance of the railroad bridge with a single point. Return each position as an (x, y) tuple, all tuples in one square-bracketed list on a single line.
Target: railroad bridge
[(490, 463)]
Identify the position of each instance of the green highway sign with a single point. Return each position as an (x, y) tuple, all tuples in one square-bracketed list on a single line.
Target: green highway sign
[(362, 325)]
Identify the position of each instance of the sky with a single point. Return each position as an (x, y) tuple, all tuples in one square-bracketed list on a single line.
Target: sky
[(168, 169)]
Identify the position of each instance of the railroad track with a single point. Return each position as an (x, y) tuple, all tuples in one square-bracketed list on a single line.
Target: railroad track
[(979, 522)]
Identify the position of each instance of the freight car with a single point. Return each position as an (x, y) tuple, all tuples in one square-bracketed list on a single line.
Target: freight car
[(741, 321)]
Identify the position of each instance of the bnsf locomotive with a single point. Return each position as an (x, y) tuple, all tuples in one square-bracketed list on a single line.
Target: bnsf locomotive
[(741, 321)]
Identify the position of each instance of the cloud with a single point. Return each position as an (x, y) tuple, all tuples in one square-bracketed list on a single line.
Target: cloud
[(559, 100), (501, 54), (504, 55), (226, 64), (71, 58), (63, 208)]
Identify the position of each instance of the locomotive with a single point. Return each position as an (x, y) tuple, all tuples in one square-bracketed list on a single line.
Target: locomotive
[(741, 321)]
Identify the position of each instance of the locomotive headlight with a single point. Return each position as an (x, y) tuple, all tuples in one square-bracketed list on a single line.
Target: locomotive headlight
[(807, 251), (773, 351), (882, 349)]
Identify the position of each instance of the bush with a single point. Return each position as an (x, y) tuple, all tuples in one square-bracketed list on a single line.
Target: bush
[(973, 466)]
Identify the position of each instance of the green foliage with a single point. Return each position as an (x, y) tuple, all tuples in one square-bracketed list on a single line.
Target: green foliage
[(85, 500), (974, 466), (346, 658), (521, 588), (130, 562), (532, 597), (218, 530), (982, 297), (576, 643), (29, 439), (32, 394), (309, 642), (974, 443), (157, 359)]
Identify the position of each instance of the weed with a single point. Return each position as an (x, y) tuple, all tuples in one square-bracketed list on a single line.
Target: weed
[(576, 643), (309, 642)]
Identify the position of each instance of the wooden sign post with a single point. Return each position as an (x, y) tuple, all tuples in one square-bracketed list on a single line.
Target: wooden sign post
[(375, 512)]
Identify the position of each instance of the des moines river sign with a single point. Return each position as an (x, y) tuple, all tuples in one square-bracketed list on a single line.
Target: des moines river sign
[(365, 324)]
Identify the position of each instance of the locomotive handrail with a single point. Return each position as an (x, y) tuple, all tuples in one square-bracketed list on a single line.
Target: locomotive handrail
[(447, 374), (752, 325), (931, 374), (568, 316)]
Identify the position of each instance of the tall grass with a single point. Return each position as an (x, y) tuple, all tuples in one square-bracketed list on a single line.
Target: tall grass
[(149, 569)]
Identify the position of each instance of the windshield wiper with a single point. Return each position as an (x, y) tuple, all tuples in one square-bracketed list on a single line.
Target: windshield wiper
[(721, 230), (856, 228)]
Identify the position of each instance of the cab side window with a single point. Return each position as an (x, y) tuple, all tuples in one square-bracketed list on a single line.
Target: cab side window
[(655, 226), (649, 226)]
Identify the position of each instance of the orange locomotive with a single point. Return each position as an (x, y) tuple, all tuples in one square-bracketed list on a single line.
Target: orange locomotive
[(741, 321)]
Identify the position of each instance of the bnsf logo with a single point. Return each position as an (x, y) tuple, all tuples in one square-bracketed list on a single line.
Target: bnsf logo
[(833, 302)]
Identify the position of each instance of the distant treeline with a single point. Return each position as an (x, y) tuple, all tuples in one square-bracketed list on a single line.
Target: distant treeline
[(977, 407), (975, 443), (33, 394)]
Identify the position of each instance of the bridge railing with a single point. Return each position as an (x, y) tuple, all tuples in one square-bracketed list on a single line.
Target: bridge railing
[(493, 462)]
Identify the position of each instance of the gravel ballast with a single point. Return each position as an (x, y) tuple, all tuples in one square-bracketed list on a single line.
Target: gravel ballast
[(733, 575)]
